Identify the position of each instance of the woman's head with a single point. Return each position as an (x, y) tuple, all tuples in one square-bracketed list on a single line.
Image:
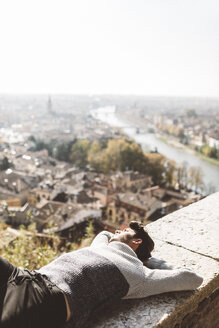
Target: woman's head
[(147, 245), (137, 238)]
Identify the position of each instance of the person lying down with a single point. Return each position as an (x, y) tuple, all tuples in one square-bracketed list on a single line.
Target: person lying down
[(67, 291)]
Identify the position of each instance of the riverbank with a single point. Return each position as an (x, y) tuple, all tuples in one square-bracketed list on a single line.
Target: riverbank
[(169, 140), (207, 159), (175, 143)]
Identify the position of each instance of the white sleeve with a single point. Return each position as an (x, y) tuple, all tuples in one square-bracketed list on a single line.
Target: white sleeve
[(161, 281), (154, 263), (102, 238)]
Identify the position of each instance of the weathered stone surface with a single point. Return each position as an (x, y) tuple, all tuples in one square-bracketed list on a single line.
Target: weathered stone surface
[(195, 227), (141, 313), (215, 294), (206, 315), (180, 257), (203, 304), (193, 230)]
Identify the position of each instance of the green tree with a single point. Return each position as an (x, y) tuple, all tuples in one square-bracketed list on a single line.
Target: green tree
[(132, 157), (206, 150), (40, 145), (95, 155), (190, 113), (122, 154), (111, 156), (79, 153), (31, 138), (5, 164), (155, 167), (62, 151), (169, 176)]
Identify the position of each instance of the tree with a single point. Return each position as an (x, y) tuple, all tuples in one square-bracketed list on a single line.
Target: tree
[(31, 138), (5, 164), (40, 145), (180, 133), (123, 154), (79, 153), (185, 174), (191, 113), (62, 151), (196, 177), (132, 157), (182, 175), (155, 167), (170, 167), (95, 156), (112, 156)]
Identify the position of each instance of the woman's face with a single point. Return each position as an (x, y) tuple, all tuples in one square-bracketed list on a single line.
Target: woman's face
[(124, 236)]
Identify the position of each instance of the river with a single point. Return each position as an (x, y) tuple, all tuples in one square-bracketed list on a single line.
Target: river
[(150, 141)]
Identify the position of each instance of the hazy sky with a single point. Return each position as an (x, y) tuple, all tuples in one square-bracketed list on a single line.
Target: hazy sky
[(151, 47)]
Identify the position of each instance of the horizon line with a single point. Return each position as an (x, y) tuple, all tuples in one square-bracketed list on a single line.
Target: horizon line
[(103, 94)]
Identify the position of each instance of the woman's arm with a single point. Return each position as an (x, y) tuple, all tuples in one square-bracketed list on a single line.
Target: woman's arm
[(159, 281), (154, 263), (102, 238)]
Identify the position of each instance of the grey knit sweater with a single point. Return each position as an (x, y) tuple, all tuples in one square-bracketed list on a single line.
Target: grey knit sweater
[(96, 276)]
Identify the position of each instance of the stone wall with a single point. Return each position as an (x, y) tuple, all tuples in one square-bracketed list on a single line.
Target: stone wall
[(205, 314), (185, 238)]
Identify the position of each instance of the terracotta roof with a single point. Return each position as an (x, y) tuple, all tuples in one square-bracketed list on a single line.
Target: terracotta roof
[(140, 201), (79, 217), (159, 193), (214, 135)]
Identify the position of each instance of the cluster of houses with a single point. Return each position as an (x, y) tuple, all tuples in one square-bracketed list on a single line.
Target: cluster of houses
[(62, 198), (198, 130)]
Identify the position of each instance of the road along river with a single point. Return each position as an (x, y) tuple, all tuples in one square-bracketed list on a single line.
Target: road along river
[(149, 141)]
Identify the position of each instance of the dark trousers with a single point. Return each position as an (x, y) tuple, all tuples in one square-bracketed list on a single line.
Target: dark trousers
[(28, 299)]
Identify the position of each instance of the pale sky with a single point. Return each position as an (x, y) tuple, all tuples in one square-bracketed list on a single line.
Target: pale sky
[(147, 47)]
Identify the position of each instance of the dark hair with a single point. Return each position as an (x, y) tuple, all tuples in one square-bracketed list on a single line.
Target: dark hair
[(146, 247)]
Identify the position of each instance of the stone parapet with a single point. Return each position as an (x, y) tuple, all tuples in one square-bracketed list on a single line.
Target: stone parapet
[(185, 238)]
